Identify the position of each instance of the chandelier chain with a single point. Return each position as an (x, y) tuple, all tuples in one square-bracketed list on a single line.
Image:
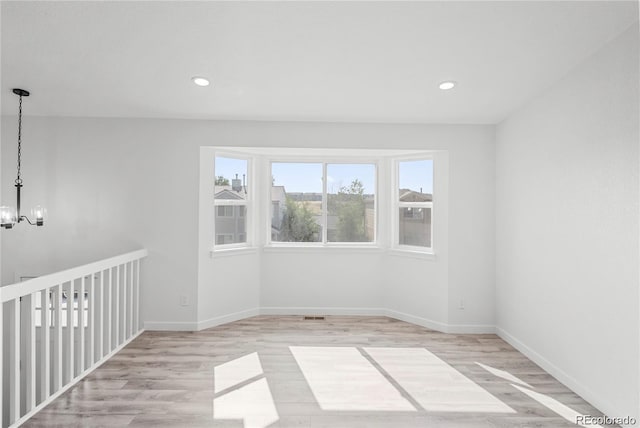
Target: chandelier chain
[(18, 180)]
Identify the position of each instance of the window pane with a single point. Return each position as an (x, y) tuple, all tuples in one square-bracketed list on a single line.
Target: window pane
[(416, 181), (230, 226), (351, 202), (296, 202), (415, 226), (231, 178)]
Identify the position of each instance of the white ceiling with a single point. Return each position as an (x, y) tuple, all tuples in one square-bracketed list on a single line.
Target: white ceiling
[(320, 61)]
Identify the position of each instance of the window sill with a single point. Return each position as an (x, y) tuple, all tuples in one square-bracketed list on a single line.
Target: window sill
[(422, 255), (226, 252), (333, 249)]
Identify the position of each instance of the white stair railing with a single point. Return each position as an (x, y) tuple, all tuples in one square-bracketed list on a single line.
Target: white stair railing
[(59, 327)]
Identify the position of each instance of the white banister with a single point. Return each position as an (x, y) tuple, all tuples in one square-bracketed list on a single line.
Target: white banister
[(71, 352), (92, 318), (137, 308), (58, 380), (51, 350), (131, 329), (30, 351), (14, 362), (45, 361), (109, 308), (1, 361), (117, 300), (125, 334), (101, 319)]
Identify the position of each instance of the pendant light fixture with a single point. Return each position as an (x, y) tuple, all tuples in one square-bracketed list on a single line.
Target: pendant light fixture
[(12, 215)]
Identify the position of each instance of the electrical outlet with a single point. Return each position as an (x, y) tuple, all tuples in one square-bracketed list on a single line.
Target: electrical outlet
[(184, 300), (461, 306)]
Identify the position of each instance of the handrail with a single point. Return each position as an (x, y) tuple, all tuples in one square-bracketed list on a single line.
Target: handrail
[(61, 326), (33, 285)]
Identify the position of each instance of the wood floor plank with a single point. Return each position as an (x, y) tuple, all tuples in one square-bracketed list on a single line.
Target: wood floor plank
[(166, 379)]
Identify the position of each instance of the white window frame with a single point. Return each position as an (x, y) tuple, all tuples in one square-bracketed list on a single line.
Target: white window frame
[(397, 205), (324, 161), (247, 203)]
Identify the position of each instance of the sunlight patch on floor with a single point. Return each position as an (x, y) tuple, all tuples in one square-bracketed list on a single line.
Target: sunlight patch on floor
[(434, 384), (236, 371), (342, 379), (555, 406), (252, 403), (504, 375)]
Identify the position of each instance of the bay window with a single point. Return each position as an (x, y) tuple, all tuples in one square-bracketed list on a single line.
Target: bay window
[(327, 198)]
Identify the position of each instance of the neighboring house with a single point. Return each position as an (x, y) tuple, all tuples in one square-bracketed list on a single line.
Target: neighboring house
[(415, 222), (407, 195), (230, 220)]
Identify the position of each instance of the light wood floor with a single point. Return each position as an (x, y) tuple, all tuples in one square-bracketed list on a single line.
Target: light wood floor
[(167, 379)]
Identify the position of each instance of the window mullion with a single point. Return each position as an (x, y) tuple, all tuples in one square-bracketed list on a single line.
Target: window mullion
[(325, 203)]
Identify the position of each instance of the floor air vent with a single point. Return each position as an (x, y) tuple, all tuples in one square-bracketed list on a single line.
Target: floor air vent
[(310, 318)]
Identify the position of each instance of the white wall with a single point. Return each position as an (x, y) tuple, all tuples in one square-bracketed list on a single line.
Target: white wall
[(567, 228), (112, 185), (370, 282)]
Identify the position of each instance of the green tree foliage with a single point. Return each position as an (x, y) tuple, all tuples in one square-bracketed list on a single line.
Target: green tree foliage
[(221, 181), (298, 224), (349, 205)]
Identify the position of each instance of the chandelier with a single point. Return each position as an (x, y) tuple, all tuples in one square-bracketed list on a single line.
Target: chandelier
[(9, 215)]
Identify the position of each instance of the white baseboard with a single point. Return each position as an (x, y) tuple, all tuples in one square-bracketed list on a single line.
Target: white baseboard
[(170, 326), (441, 327), (273, 310), (303, 310), (471, 329), (596, 400), (224, 319), (424, 322)]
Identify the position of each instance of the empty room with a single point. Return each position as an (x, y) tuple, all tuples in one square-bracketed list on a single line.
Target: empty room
[(320, 214)]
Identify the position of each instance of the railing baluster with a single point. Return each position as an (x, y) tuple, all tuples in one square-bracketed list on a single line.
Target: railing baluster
[(30, 350), (70, 331), (1, 362), (14, 362), (45, 362), (58, 380), (131, 329), (137, 308), (109, 321), (124, 303), (101, 319), (92, 319), (117, 301), (81, 332)]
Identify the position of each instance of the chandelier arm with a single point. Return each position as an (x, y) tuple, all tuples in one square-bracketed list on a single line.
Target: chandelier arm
[(24, 217)]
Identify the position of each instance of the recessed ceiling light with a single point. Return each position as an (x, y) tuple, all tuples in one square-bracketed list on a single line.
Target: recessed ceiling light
[(200, 81), (448, 84)]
